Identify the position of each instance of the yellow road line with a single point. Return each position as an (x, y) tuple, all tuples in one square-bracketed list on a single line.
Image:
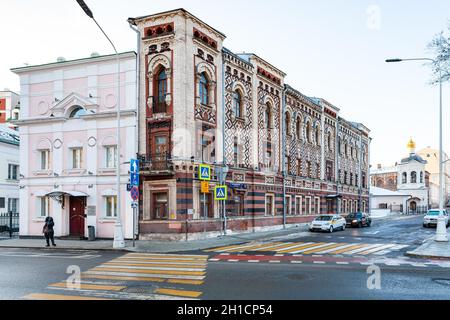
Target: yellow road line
[(187, 273), (122, 278), (149, 256), (179, 293), (156, 261), (349, 248), (226, 247), (153, 265), (87, 286), (324, 248), (257, 246), (268, 246), (306, 246), (180, 281), (45, 296)]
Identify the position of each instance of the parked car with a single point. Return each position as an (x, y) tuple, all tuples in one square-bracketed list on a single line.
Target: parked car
[(358, 219), (431, 218), (327, 222)]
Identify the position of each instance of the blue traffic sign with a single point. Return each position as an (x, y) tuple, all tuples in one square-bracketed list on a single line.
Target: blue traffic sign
[(134, 193), (221, 193), (134, 166), (134, 177), (204, 172)]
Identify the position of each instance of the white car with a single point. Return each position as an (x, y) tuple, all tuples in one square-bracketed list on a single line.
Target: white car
[(432, 216), (327, 222)]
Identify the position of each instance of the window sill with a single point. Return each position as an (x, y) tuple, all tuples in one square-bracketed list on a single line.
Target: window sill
[(39, 219), (107, 220), (12, 181), (75, 171), (42, 173), (107, 171)]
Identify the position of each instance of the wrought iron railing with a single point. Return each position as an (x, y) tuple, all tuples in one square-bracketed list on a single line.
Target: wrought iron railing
[(9, 223), (159, 104), (156, 162)]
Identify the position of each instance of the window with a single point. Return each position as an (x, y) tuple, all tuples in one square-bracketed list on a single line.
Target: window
[(299, 167), (421, 177), (404, 177), (287, 123), (208, 151), (268, 160), (44, 206), (12, 172), (351, 178), (345, 177), (288, 166), (329, 142), (111, 156), (111, 206), (77, 158), (204, 87), (162, 87), (288, 205), (236, 152), (160, 205), (318, 142), (317, 205), (270, 205), (298, 205), (45, 159), (13, 205), (206, 209), (77, 112), (2, 203), (238, 205), (413, 177), (268, 117), (329, 171), (308, 205), (299, 128), (308, 169), (308, 132), (237, 105)]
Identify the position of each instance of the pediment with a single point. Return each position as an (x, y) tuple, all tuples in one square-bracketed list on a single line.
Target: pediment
[(62, 108)]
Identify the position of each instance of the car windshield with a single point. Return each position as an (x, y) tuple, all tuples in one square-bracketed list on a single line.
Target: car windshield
[(433, 213), (354, 215), (324, 218)]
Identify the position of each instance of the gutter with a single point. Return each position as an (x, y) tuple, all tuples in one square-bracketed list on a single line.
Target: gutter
[(138, 82)]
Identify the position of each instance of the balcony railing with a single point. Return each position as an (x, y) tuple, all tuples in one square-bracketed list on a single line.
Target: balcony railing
[(159, 104), (156, 162)]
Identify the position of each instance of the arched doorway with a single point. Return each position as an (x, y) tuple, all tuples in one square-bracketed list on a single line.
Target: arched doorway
[(413, 206)]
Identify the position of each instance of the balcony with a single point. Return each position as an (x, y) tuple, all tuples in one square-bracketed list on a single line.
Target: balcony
[(157, 164), (158, 104)]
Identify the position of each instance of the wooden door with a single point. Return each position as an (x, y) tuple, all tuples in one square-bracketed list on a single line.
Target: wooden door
[(77, 216)]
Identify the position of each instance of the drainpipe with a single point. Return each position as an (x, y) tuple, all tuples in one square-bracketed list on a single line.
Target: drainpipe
[(338, 176), (283, 152), (224, 163)]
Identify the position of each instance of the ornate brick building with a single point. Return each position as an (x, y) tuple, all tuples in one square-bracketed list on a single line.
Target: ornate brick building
[(284, 156)]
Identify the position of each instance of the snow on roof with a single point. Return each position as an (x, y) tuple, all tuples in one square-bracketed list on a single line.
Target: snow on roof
[(8, 135), (383, 170), (380, 192)]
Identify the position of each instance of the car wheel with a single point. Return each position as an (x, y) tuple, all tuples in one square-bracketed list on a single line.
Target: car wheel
[(331, 229), (360, 225), (343, 227), (424, 225), (369, 224)]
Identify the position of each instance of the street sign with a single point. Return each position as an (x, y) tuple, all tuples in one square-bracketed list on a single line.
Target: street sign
[(134, 193), (129, 187), (134, 177), (221, 193), (205, 187), (134, 166), (134, 205), (204, 172)]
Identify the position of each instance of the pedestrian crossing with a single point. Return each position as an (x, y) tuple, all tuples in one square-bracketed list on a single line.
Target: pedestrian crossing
[(135, 276), (312, 248)]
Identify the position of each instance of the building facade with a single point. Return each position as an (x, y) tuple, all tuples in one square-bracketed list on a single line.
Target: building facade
[(9, 166), (409, 177), (68, 153), (9, 107), (284, 156)]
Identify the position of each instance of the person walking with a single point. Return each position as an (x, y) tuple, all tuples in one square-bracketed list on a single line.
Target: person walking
[(48, 231)]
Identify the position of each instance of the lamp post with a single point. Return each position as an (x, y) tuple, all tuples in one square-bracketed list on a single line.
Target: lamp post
[(441, 230), (119, 241)]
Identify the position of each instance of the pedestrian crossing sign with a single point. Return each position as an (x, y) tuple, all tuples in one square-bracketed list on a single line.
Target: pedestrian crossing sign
[(221, 193), (204, 172)]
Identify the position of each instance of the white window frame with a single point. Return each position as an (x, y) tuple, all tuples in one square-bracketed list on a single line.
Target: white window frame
[(10, 171), (297, 200), (110, 215), (308, 210), (317, 205), (10, 201), (273, 204), (44, 154), (107, 155), (288, 205), (72, 151), (43, 207)]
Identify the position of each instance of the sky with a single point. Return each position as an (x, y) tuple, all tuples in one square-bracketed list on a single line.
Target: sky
[(333, 49)]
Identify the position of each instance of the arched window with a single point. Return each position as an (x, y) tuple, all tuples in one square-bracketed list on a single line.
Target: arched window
[(299, 128), (413, 177), (288, 123), (404, 177), (237, 104), (204, 87), (318, 136), (308, 132), (161, 86), (268, 116), (330, 147), (421, 177), (77, 112)]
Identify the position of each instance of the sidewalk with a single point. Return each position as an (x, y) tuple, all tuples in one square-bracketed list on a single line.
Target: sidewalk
[(153, 246), (431, 249)]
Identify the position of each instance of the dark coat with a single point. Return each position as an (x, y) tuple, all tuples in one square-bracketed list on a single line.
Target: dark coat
[(49, 223)]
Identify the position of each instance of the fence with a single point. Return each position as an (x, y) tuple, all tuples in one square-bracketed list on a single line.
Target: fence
[(417, 210), (9, 224)]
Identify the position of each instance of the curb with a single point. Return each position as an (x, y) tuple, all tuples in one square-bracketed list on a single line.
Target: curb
[(65, 248), (424, 256)]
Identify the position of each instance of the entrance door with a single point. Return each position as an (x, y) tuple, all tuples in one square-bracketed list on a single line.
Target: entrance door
[(77, 216), (413, 206)]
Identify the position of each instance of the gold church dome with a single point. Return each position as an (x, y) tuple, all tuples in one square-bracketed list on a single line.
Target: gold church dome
[(411, 146)]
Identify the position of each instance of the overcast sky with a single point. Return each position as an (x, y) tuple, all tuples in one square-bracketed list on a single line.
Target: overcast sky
[(334, 49)]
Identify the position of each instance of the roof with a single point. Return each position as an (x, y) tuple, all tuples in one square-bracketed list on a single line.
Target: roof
[(9, 136), (380, 192), (414, 157), (383, 170), (74, 61), (228, 51)]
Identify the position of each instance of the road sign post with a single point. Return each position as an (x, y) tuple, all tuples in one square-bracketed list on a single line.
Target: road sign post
[(134, 193)]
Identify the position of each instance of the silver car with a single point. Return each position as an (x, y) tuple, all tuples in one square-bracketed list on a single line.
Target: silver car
[(431, 218), (327, 222)]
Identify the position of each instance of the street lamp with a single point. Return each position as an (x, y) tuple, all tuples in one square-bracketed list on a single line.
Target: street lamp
[(441, 230), (119, 241)]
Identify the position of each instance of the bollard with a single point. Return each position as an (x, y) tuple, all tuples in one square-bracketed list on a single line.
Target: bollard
[(10, 224)]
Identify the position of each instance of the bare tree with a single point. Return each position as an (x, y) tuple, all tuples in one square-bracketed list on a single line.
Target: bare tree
[(440, 47)]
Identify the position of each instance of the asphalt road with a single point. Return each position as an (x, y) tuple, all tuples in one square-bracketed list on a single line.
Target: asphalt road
[(241, 275)]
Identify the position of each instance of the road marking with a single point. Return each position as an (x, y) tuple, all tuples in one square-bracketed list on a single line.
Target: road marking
[(296, 261), (364, 248), (383, 247), (220, 249), (152, 267), (45, 296), (399, 247), (274, 261), (136, 274), (318, 249), (86, 286), (181, 281), (233, 260), (342, 262), (214, 259), (337, 247), (294, 248), (121, 278), (309, 247), (267, 246), (179, 293), (158, 261), (187, 260), (169, 272), (152, 255), (355, 246), (253, 261), (319, 262), (276, 247)]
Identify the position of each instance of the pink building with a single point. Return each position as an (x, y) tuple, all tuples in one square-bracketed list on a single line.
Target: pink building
[(68, 145)]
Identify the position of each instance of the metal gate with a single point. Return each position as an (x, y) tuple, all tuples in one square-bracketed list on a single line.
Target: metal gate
[(9, 224)]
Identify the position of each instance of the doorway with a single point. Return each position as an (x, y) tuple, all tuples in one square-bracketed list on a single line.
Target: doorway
[(77, 216)]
